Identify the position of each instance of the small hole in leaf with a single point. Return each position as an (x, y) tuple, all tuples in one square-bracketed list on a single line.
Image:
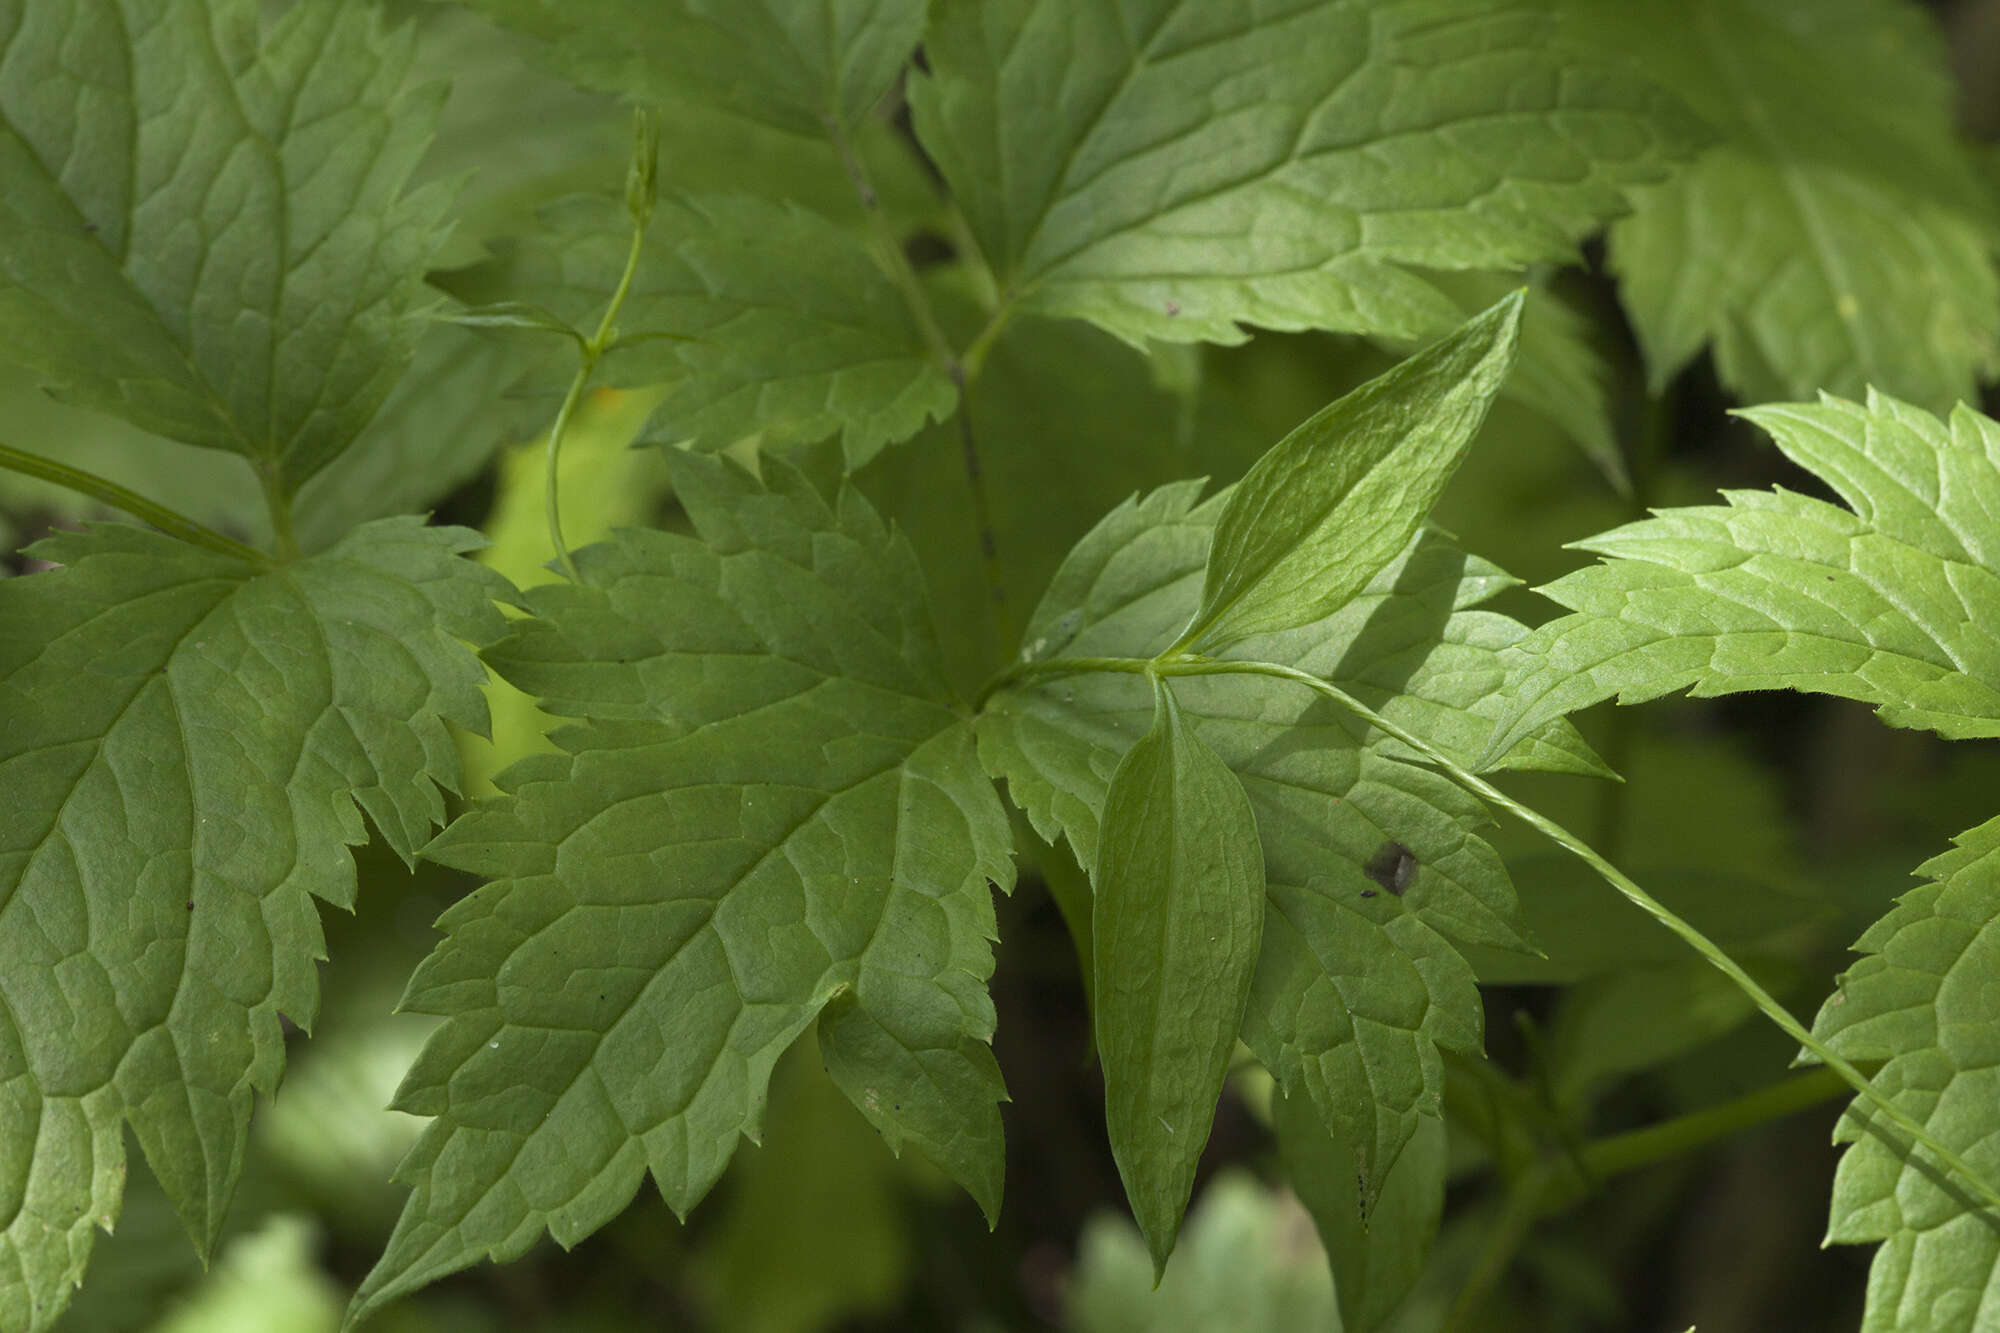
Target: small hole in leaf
[(1393, 867)]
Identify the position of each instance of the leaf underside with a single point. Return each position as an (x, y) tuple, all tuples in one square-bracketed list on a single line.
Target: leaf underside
[(774, 809), (190, 747)]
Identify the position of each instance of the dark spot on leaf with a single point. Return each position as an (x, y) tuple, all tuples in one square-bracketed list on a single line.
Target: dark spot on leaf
[(1173, 308), (190, 904), (90, 228), (1393, 867), (1368, 893)]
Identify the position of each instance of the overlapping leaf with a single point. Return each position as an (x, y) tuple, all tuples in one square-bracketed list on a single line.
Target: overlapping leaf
[(204, 228), (1342, 495), (1376, 1255), (188, 749), (1922, 1002), (1175, 928), (1170, 169), (760, 317), (1894, 601), (798, 64), (775, 808), (1839, 238), (1359, 981)]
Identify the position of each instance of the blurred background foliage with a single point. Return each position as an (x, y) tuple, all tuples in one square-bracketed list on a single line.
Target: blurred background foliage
[(1780, 825)]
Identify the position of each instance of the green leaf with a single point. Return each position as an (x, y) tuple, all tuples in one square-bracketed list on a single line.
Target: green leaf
[(205, 229), (191, 744), (759, 316), (1922, 1001), (1319, 515), (1839, 238), (939, 1097), (1069, 423), (774, 801), (1376, 1255), (797, 64), (1559, 372), (1169, 169), (1176, 924), (1357, 984), (1894, 601), (439, 427)]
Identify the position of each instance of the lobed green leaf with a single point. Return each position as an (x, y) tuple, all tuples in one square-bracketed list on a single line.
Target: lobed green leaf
[(1894, 601), (1170, 169), (774, 807), (205, 228), (1840, 237), (1376, 1255), (1175, 927), (1922, 1003), (190, 746)]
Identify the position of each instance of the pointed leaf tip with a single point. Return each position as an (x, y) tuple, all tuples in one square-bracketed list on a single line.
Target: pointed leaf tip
[(1176, 928), (1331, 504)]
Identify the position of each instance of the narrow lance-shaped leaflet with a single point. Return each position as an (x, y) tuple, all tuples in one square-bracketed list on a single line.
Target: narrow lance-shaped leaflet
[(1319, 515), (1176, 926)]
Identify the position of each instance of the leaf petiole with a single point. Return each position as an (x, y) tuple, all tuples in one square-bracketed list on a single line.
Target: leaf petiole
[(641, 192), (169, 521)]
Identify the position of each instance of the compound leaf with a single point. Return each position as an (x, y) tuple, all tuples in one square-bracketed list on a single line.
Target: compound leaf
[(802, 65), (205, 229), (190, 745), (1175, 928), (1169, 169), (758, 316), (1329, 505), (1839, 238), (1922, 1003), (773, 807), (1894, 600), (1359, 980)]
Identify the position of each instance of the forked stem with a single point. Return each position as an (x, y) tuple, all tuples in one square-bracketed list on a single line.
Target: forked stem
[(641, 192)]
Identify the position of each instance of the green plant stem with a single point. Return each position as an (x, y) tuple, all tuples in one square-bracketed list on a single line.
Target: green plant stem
[(982, 342), (894, 262), (1510, 1230), (1767, 1004), (171, 522), (1616, 1154), (588, 355), (1555, 1183), (279, 504), (1638, 897)]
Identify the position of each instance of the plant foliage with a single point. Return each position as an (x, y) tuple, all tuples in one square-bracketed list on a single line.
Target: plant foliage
[(911, 301)]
